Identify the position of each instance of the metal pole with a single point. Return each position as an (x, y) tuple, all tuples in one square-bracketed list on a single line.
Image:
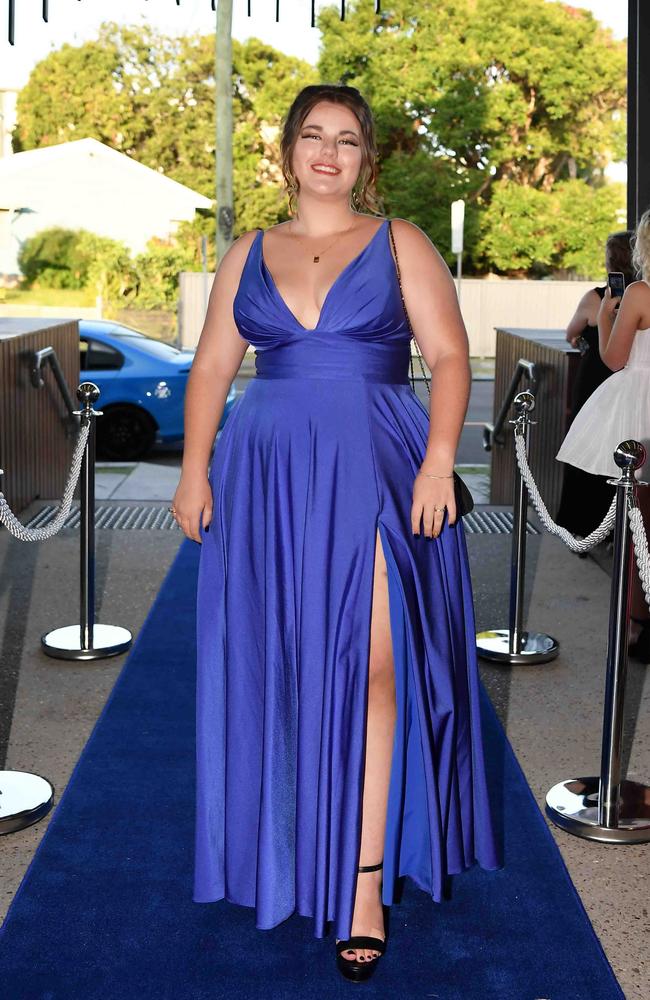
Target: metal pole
[(459, 272), (87, 539), (24, 797), (619, 613), (223, 127), (87, 640), (605, 808), (518, 551), (514, 645)]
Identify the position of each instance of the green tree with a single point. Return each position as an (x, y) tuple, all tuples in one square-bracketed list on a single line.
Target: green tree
[(152, 97), (517, 229), (52, 258), (582, 208), (157, 272), (78, 258), (526, 229), (472, 98), (489, 91), (111, 273)]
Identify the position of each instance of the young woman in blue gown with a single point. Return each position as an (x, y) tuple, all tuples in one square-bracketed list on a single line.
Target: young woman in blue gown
[(338, 732)]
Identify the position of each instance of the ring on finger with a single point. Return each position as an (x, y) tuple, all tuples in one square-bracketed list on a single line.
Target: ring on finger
[(441, 508)]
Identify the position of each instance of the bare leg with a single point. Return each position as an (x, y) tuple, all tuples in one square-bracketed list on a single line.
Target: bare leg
[(368, 916)]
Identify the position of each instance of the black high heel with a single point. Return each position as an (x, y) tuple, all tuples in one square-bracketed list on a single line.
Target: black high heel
[(352, 968)]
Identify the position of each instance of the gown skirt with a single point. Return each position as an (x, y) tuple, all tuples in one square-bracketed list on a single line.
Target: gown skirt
[(317, 456), (617, 411)]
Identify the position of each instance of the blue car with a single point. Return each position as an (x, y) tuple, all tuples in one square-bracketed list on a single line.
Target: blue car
[(142, 383)]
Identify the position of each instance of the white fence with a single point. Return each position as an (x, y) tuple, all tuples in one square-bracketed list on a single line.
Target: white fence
[(485, 303)]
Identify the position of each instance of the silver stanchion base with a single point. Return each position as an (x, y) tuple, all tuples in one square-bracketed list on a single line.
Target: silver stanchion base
[(573, 806), (536, 647), (65, 643), (24, 799)]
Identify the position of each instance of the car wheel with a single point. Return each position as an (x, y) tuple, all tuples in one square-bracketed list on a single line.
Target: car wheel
[(125, 433)]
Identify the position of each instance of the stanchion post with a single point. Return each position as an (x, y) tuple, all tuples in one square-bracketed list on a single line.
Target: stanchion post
[(514, 645), (619, 614), (87, 640), (605, 808), (525, 404), (24, 797), (87, 526)]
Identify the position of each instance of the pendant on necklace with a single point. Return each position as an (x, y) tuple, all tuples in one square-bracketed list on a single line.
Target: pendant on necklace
[(316, 259)]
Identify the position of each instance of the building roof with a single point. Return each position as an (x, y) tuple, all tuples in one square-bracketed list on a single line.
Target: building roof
[(18, 172)]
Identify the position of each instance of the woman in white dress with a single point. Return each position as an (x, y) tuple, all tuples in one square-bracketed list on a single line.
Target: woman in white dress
[(619, 409)]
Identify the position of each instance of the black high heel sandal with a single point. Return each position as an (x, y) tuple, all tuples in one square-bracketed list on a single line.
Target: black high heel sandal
[(351, 968)]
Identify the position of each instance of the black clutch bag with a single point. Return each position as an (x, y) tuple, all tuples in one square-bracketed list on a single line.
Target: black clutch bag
[(464, 499)]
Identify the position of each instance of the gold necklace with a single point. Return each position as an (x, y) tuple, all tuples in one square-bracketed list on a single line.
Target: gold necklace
[(316, 257)]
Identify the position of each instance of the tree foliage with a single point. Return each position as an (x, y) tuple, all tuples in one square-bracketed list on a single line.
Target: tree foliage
[(151, 97), (517, 108), (77, 258), (490, 93)]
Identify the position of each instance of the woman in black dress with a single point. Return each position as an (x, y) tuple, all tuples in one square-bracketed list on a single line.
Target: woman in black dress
[(586, 498)]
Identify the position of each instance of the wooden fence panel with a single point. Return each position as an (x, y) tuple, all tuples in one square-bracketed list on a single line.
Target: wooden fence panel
[(36, 439)]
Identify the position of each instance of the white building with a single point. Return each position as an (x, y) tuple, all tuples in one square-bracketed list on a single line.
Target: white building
[(87, 185)]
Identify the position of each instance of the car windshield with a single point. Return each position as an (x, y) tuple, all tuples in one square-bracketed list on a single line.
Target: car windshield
[(157, 348)]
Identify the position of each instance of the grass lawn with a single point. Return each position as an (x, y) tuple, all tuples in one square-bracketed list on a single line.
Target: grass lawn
[(49, 297)]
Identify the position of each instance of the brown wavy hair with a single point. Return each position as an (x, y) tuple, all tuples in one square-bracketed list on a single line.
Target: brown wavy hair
[(618, 251), (364, 193)]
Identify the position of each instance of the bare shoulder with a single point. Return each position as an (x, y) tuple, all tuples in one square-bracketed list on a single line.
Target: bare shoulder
[(590, 299), (409, 235), (414, 246), (638, 291), (240, 247), (412, 239), (232, 263), (588, 306), (636, 301)]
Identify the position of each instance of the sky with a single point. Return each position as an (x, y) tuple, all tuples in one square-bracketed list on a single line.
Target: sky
[(76, 21)]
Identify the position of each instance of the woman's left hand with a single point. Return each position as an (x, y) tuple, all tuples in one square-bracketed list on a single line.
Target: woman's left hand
[(430, 498)]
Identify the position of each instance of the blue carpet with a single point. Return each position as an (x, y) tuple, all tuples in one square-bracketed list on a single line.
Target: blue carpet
[(105, 909)]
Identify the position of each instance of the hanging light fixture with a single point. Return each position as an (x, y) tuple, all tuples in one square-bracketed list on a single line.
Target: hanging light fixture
[(213, 6)]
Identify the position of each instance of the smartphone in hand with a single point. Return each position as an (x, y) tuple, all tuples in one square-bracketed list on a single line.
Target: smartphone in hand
[(616, 282)]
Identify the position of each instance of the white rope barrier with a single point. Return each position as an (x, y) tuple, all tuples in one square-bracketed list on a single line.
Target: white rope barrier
[(575, 544), (640, 549), (637, 526), (11, 522)]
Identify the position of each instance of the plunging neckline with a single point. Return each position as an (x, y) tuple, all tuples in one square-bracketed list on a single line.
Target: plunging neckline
[(340, 275)]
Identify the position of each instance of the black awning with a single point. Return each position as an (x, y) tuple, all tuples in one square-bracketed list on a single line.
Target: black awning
[(213, 6)]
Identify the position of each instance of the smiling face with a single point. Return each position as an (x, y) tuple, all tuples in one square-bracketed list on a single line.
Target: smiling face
[(327, 154)]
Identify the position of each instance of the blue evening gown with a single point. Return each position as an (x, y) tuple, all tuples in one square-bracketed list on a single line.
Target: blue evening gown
[(318, 454)]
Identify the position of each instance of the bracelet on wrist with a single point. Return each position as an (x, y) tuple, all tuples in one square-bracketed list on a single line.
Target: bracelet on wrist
[(429, 475)]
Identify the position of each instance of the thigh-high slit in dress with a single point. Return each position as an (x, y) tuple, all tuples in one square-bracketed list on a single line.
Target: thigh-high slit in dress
[(317, 456)]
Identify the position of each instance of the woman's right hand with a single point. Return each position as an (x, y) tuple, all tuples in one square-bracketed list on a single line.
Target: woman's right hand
[(193, 499)]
